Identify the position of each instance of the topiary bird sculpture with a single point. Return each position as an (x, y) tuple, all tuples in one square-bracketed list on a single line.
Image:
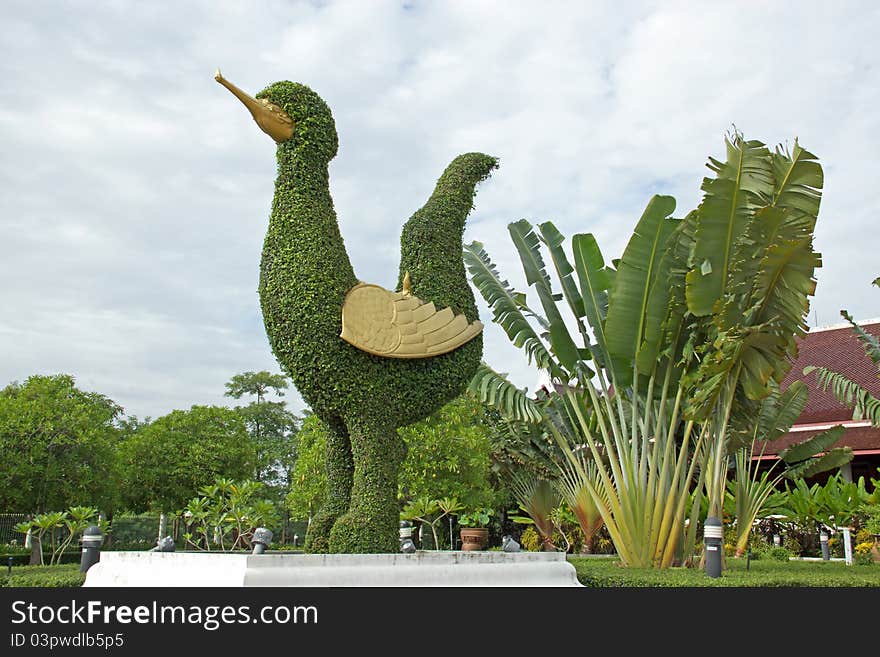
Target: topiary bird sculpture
[(367, 360)]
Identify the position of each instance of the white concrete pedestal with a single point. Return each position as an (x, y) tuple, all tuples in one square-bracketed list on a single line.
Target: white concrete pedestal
[(441, 568)]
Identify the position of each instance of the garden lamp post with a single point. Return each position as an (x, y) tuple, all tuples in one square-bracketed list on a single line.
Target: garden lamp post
[(713, 533), (262, 539), (91, 548)]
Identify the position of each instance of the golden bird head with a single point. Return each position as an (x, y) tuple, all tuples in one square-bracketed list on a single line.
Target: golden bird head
[(272, 120)]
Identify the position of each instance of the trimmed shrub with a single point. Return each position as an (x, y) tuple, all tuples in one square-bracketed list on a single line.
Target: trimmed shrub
[(305, 274), (43, 576)]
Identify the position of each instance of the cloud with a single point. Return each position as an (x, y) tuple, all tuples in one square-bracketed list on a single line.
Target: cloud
[(134, 193)]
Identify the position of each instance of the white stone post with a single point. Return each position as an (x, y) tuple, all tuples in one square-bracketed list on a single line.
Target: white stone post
[(846, 473)]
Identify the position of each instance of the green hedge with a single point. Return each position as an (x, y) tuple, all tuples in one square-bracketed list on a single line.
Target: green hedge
[(600, 573), (24, 558), (66, 575)]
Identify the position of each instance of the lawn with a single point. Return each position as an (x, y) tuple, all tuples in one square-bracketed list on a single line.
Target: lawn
[(603, 572), (598, 572)]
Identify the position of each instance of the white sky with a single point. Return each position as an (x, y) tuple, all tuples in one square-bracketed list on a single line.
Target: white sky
[(135, 191)]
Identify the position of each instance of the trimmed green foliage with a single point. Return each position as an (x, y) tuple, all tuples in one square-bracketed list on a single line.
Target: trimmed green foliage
[(304, 276), (23, 558), (602, 572), (63, 576)]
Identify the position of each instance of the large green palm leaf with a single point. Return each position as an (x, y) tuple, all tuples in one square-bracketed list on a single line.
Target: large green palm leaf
[(630, 292), (528, 246), (594, 278), (496, 391), (848, 393), (507, 307), (743, 183)]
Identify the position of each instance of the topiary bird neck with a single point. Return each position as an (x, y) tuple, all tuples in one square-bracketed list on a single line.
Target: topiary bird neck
[(430, 243), (304, 267)]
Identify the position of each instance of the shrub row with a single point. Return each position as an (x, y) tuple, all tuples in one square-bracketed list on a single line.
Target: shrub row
[(24, 558), (67, 575)]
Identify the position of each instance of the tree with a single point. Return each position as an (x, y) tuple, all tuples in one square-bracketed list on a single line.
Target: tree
[(449, 456), (271, 426), (308, 480), (680, 339), (167, 461), (57, 445)]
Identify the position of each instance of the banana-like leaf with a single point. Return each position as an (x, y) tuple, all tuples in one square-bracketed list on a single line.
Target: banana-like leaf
[(665, 310), (759, 344), (743, 183), (554, 240), (870, 342), (808, 448), (834, 459), (595, 281), (495, 390), (848, 393), (629, 298), (799, 179), (529, 249), (506, 307)]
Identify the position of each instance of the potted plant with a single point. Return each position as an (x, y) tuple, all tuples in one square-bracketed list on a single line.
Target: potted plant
[(474, 530)]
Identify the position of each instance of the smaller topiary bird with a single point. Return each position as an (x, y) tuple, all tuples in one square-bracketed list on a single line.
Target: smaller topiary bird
[(366, 359)]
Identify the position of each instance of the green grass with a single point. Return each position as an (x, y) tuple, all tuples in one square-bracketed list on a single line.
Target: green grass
[(595, 572), (44, 576)]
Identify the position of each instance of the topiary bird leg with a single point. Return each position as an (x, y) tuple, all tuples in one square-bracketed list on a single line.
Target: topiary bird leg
[(372, 521), (340, 470)]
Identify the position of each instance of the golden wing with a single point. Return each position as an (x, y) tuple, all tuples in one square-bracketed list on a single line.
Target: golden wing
[(399, 325)]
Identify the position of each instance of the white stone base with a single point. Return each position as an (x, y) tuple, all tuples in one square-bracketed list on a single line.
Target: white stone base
[(440, 568)]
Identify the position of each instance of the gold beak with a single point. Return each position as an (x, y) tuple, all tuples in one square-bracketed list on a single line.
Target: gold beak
[(272, 120)]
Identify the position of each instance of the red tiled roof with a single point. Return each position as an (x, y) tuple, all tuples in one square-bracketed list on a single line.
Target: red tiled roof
[(838, 349), (861, 439)]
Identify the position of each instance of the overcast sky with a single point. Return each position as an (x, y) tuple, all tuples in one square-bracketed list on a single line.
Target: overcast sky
[(135, 191)]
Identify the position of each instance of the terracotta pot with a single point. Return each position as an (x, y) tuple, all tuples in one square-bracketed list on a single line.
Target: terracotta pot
[(474, 538)]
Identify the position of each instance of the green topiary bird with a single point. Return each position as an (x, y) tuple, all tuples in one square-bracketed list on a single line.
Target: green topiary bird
[(366, 360)]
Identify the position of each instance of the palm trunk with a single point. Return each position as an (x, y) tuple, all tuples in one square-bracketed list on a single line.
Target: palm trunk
[(36, 548)]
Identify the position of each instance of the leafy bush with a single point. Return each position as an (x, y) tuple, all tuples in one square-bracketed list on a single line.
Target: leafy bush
[(862, 553), (872, 518), (779, 553), (71, 524), (24, 558), (43, 576), (226, 515), (792, 544), (530, 540)]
